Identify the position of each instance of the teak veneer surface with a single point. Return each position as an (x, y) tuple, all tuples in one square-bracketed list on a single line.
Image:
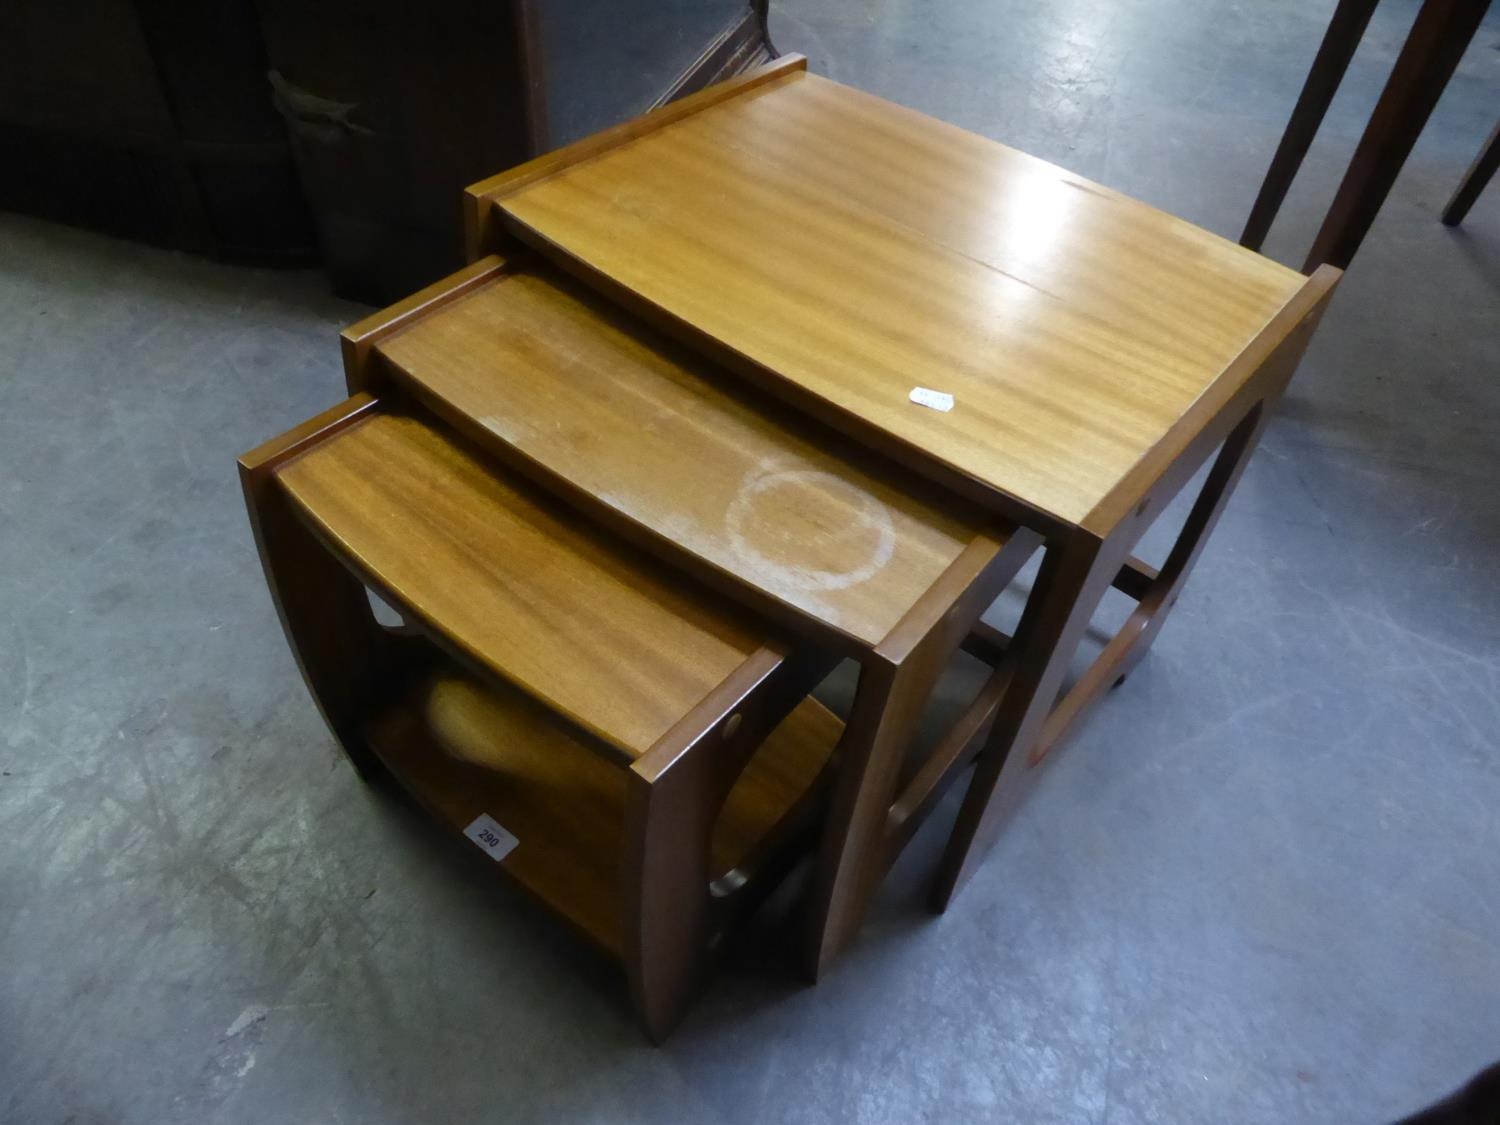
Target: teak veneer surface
[(550, 369), (464, 749), (856, 250), (599, 633)]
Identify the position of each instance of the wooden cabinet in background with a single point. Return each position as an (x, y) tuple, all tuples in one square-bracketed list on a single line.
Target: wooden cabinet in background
[(393, 107), (291, 130), (149, 119)]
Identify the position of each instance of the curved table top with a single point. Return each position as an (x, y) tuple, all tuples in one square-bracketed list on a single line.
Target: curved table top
[(850, 250)]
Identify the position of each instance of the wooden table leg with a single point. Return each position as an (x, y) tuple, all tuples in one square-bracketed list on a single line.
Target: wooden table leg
[(1438, 39), (1074, 578), (342, 653), (895, 684), (1479, 174), (1081, 566), (1344, 31), (1075, 575), (1132, 642), (888, 701)]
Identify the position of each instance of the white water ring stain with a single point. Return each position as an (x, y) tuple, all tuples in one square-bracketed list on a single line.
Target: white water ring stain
[(868, 516)]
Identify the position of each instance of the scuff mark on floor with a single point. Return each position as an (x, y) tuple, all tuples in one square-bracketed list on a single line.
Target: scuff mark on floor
[(231, 1060)]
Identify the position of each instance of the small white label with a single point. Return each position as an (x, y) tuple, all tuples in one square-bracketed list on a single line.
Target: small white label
[(488, 834), (938, 400)]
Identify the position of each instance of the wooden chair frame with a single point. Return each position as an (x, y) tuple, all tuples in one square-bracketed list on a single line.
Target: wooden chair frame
[(673, 909), (1480, 173)]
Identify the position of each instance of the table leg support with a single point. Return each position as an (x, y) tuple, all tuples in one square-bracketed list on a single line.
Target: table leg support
[(328, 625), (895, 682), (1075, 575), (344, 656)]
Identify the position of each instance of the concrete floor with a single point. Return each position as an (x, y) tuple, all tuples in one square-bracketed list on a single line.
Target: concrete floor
[(1263, 885)]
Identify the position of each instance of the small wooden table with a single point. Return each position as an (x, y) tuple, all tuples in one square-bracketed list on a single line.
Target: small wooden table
[(842, 253), (832, 544)]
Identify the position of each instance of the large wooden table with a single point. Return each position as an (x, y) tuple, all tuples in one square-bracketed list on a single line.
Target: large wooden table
[(839, 251), (843, 250)]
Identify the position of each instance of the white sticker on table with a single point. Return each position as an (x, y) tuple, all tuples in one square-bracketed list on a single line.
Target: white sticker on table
[(937, 400), (487, 833)]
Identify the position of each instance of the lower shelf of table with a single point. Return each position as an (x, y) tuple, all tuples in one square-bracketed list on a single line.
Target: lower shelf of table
[(465, 750)]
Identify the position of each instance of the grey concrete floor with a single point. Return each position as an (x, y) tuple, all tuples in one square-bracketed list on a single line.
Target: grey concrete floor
[(1263, 885)]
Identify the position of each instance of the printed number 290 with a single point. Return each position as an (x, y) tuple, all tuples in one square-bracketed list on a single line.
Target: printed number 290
[(489, 835)]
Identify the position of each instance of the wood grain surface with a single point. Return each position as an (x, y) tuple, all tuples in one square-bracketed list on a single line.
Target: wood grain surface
[(464, 749), (523, 588), (644, 427), (855, 250)]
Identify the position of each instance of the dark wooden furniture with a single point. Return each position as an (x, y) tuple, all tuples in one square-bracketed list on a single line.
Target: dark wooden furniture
[(150, 119), (1479, 174), (391, 107), (601, 64), (394, 107), (1438, 39), (281, 131)]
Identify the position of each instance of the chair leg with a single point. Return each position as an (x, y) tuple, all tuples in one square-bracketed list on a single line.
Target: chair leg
[(1344, 31), (1479, 174), (1438, 39)]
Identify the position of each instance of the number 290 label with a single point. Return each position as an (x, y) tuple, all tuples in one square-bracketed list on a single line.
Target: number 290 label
[(487, 833)]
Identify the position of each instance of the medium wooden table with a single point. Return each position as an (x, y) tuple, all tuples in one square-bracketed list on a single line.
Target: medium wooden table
[(842, 252), (833, 545)]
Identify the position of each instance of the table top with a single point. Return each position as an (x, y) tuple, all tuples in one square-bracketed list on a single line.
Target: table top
[(852, 250), (541, 366), (619, 646)]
